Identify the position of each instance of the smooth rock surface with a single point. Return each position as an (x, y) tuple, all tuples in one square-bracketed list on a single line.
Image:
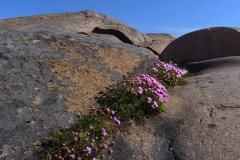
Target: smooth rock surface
[(208, 107), (205, 44), (216, 64)]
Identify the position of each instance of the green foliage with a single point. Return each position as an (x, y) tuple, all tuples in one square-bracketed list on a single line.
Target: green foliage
[(192, 74), (142, 96), (73, 141), (128, 104), (181, 82), (167, 74), (167, 79)]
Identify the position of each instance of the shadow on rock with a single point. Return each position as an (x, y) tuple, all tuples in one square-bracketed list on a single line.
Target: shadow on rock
[(157, 139), (168, 129)]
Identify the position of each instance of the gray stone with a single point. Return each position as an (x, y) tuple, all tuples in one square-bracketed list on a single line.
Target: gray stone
[(91, 24), (201, 121), (77, 22), (49, 78), (205, 44)]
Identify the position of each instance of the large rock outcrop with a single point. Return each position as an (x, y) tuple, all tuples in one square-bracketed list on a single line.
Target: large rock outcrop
[(48, 78), (86, 22), (205, 44), (51, 70)]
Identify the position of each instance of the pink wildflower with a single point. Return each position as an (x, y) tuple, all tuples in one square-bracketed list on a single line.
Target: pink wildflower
[(118, 122), (154, 105), (72, 156), (140, 90), (88, 150), (104, 133), (112, 112), (107, 110), (154, 69), (149, 99), (75, 139), (105, 146), (110, 150)]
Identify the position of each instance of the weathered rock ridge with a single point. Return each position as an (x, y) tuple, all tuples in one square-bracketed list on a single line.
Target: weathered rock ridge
[(84, 22)]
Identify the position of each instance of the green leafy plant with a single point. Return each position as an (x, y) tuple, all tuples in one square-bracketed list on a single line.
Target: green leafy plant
[(142, 96), (136, 98), (192, 74), (87, 139), (167, 74)]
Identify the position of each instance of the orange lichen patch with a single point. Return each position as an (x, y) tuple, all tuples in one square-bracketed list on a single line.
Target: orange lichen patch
[(56, 45), (37, 144), (116, 59), (119, 60), (71, 53), (37, 100), (86, 83)]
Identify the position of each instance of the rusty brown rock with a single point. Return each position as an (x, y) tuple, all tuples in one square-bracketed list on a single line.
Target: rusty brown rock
[(158, 43), (122, 32), (205, 44), (161, 36)]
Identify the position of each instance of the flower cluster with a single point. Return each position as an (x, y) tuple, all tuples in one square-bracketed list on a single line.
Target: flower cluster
[(149, 84), (141, 96), (166, 72), (136, 98), (90, 138)]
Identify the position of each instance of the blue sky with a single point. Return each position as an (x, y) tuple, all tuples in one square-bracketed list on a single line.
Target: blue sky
[(176, 17)]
